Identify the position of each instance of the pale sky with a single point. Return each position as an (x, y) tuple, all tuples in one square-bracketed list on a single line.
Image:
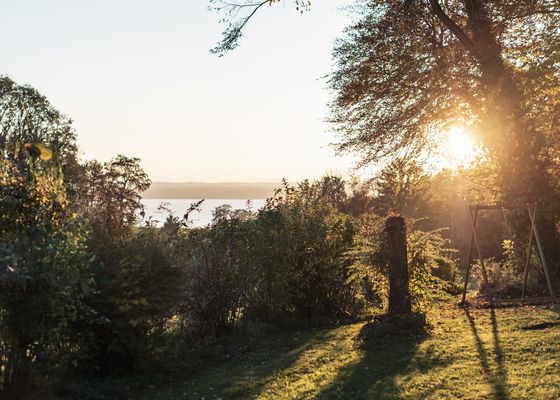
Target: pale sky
[(136, 76)]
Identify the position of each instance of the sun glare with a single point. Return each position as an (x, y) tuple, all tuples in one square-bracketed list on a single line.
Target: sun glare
[(459, 146)]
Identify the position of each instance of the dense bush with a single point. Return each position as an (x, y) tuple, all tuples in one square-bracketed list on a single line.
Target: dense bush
[(136, 292), (216, 263), (285, 261), (432, 267), (136, 284), (43, 263), (301, 253)]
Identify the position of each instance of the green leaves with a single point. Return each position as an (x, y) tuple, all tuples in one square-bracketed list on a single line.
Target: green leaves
[(26, 116), (42, 260)]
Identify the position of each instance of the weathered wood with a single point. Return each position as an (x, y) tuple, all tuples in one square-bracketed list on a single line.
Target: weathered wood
[(399, 293), (529, 250), (469, 261), (473, 220), (541, 254)]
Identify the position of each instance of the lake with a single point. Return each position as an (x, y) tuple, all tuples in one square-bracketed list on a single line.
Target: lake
[(198, 218)]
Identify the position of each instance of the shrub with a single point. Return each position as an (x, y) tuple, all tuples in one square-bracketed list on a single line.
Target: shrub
[(431, 266), (136, 284), (215, 261), (300, 254), (136, 292), (43, 260), (505, 277), (288, 260), (432, 269)]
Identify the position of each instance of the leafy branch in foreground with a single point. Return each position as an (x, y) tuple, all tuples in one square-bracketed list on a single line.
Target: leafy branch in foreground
[(236, 14)]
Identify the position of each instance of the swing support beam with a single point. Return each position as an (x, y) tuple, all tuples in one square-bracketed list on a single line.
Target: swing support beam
[(532, 211)]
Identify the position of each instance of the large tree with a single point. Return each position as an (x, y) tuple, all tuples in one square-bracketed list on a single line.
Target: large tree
[(409, 68), (406, 69)]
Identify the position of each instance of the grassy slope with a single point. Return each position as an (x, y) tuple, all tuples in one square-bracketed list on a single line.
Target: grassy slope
[(481, 354)]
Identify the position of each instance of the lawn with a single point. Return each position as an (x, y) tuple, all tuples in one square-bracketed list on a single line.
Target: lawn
[(506, 353)]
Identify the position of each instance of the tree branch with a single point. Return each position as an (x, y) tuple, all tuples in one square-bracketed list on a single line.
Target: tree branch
[(237, 14), (234, 32), (451, 25)]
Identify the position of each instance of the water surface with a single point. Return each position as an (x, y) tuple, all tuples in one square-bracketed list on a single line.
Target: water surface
[(198, 218)]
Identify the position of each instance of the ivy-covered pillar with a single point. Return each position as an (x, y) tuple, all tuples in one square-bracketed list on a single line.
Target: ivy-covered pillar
[(399, 293)]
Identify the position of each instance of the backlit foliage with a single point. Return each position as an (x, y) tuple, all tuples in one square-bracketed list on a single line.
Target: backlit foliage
[(43, 258)]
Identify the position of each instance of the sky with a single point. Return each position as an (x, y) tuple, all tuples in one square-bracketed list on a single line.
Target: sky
[(137, 78)]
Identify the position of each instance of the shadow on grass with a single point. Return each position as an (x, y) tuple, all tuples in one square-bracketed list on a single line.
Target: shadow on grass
[(375, 375), (223, 372), (541, 326), (497, 377), (249, 378), (244, 376)]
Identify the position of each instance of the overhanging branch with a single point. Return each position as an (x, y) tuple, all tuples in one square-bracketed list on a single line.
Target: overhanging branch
[(234, 32)]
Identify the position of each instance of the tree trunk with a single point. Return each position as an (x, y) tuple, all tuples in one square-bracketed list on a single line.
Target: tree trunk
[(513, 142)]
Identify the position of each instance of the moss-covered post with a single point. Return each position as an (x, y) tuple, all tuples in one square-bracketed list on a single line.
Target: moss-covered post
[(399, 294)]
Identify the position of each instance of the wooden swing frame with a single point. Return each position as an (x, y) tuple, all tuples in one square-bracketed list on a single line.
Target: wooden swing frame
[(532, 211)]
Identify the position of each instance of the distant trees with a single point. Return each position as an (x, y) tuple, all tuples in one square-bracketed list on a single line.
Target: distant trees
[(402, 187), (110, 193)]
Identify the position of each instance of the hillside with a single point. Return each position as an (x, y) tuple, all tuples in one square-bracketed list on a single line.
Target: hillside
[(499, 354), (202, 190)]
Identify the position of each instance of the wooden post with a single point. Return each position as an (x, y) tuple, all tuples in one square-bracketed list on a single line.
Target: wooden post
[(473, 220), (529, 250), (541, 254), (469, 260), (399, 294)]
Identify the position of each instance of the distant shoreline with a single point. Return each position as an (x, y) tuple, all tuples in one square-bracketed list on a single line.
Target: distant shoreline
[(217, 190)]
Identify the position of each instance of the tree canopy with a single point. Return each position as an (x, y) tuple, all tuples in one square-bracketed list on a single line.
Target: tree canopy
[(408, 69), (27, 116)]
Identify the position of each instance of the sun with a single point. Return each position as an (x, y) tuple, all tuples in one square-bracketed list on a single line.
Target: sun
[(459, 146)]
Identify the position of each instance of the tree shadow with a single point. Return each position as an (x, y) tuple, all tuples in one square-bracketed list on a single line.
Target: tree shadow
[(497, 377), (249, 381), (244, 377), (383, 361)]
